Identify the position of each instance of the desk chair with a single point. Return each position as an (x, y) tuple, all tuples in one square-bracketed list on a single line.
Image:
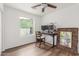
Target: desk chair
[(40, 38)]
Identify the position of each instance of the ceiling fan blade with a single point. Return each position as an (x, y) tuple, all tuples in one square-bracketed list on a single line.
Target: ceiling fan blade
[(52, 6), (36, 6), (43, 9)]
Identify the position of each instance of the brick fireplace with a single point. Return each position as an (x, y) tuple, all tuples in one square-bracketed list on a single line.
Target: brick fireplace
[(74, 40)]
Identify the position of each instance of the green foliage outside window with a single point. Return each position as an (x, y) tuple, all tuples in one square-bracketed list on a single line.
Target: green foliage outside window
[(25, 23)]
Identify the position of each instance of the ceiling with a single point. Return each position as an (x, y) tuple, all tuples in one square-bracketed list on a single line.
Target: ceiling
[(38, 11)]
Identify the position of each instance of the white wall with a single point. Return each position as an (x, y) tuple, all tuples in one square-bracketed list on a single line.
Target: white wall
[(1, 7), (11, 33), (68, 17), (1, 10), (0, 32)]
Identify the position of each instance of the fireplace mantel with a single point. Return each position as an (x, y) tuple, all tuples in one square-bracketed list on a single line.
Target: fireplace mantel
[(74, 41)]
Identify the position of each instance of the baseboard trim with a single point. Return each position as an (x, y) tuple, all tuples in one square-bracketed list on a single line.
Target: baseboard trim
[(18, 46)]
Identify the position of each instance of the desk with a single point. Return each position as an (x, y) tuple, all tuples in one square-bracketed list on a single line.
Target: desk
[(53, 35)]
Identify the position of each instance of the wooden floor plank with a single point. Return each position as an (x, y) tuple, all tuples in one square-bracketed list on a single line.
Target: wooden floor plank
[(32, 50)]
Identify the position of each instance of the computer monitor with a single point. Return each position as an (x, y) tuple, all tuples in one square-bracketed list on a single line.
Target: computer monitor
[(44, 27)]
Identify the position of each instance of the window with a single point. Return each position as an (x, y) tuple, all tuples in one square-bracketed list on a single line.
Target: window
[(25, 26)]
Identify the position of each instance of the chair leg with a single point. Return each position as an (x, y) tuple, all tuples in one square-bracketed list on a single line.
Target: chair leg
[(36, 42), (44, 42), (40, 43)]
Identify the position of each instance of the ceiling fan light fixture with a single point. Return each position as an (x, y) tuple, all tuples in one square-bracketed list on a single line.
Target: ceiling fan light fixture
[(44, 5)]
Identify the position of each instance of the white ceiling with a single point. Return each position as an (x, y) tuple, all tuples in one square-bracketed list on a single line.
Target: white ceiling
[(27, 7)]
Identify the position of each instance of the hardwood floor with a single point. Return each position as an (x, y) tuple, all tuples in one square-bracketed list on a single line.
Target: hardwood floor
[(32, 50)]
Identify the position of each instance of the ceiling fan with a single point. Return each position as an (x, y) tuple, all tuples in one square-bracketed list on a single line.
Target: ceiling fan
[(44, 6)]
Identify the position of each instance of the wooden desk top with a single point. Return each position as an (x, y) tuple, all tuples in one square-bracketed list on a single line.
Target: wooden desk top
[(51, 33)]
